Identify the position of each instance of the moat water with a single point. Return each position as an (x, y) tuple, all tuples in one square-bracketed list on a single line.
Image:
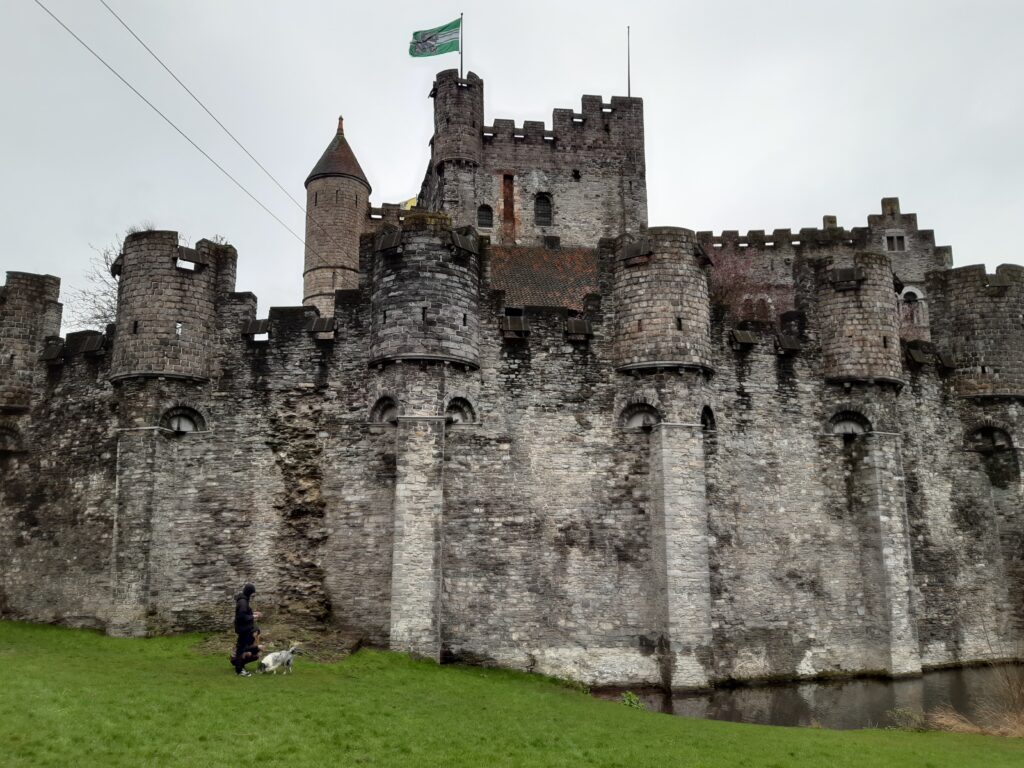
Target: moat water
[(841, 704)]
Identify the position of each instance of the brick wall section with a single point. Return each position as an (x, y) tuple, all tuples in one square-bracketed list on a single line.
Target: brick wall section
[(680, 543), (662, 314), (425, 297), (416, 563), (981, 326)]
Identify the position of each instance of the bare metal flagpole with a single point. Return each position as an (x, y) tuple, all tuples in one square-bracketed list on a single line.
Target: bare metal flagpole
[(460, 46), (629, 68)]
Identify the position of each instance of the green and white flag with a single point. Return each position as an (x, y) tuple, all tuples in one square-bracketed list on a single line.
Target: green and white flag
[(431, 42)]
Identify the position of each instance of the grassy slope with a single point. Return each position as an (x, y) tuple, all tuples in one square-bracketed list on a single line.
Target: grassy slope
[(76, 698)]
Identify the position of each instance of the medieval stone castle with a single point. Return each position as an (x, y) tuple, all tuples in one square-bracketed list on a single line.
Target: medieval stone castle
[(516, 425)]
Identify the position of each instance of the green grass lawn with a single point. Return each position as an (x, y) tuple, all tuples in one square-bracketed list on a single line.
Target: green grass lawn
[(76, 698)]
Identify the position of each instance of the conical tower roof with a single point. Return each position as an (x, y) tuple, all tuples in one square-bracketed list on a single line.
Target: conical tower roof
[(338, 160)]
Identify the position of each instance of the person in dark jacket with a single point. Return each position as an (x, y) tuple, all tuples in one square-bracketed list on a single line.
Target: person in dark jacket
[(247, 648)]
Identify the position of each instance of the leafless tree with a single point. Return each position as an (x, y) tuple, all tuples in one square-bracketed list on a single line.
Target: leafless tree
[(94, 305)]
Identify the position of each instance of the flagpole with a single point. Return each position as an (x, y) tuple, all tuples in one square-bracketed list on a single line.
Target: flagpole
[(460, 46), (629, 69)]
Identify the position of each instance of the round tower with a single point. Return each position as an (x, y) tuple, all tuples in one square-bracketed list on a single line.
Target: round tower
[(426, 285), (458, 117), (167, 306), (337, 208), (976, 320), (662, 311), (29, 312), (857, 315)]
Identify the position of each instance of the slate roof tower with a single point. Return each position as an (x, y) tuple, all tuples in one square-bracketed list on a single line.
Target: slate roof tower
[(337, 206)]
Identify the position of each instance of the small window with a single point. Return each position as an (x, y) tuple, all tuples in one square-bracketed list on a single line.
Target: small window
[(542, 210), (182, 421), (177, 330), (485, 217), (384, 411), (575, 174), (895, 243), (849, 423), (910, 297), (135, 326), (640, 416), (459, 411), (679, 323)]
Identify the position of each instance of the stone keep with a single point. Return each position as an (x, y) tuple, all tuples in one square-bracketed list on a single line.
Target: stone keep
[(516, 425)]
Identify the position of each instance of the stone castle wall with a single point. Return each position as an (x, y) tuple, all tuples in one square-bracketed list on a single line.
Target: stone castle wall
[(731, 458), (739, 538)]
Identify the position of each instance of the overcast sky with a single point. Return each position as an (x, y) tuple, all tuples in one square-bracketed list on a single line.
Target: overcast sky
[(759, 114)]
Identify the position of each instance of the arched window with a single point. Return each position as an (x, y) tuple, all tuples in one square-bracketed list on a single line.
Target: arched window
[(384, 411), (640, 416), (182, 420), (989, 440), (459, 411), (542, 215), (10, 441), (849, 423), (484, 217), (707, 419)]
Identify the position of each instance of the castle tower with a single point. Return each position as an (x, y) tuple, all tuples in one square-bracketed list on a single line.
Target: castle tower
[(662, 315), (167, 302), (457, 144), (426, 283), (337, 207), (976, 318), (857, 316), (29, 312)]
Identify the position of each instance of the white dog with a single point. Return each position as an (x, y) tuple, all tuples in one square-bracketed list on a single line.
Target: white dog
[(273, 661)]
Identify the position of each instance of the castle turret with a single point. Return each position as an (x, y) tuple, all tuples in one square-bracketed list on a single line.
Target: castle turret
[(858, 318), (458, 118), (167, 303), (976, 320), (426, 283), (662, 312), (337, 207), (456, 147), (29, 312)]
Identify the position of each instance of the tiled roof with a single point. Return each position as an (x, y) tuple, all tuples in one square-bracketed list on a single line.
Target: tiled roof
[(544, 277), (338, 160)]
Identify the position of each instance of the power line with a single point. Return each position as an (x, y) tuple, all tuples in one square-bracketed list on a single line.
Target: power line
[(223, 127), (200, 103), (171, 123)]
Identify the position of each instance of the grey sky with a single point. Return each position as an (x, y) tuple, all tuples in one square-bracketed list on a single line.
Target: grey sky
[(758, 114)]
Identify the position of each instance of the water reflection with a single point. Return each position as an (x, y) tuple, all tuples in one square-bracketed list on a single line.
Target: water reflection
[(841, 704)]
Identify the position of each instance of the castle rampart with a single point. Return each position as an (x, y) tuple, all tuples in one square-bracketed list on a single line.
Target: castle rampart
[(529, 446)]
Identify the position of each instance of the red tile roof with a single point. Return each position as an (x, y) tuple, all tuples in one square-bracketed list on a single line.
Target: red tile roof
[(544, 277)]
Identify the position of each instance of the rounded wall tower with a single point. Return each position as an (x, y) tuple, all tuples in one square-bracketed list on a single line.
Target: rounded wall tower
[(29, 312), (662, 311), (426, 285), (337, 208), (857, 315), (167, 306), (976, 319), (458, 117)]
